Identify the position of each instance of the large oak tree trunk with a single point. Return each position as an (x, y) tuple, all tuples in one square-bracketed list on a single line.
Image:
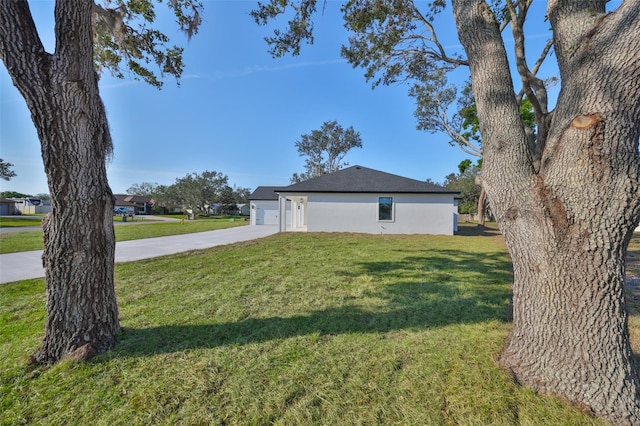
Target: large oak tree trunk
[(61, 91), (567, 216), (570, 335)]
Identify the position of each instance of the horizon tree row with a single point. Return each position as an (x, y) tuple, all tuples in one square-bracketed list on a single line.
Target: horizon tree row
[(195, 192)]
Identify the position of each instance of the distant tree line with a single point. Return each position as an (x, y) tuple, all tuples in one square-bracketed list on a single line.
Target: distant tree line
[(14, 194), (195, 192)]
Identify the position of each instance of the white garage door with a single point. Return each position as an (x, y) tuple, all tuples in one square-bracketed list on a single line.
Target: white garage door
[(266, 213), (269, 216)]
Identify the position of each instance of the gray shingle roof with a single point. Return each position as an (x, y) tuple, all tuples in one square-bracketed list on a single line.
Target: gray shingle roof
[(265, 193), (358, 179)]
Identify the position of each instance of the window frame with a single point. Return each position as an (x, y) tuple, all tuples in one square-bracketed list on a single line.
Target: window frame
[(391, 210)]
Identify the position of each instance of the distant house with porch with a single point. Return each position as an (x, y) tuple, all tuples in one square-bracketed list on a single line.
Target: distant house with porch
[(134, 204)]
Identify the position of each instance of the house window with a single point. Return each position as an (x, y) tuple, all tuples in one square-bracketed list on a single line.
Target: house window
[(385, 208)]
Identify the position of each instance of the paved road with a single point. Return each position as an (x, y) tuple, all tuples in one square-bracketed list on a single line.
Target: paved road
[(28, 265)]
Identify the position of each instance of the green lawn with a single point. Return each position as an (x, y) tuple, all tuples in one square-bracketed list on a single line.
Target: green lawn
[(293, 329), (32, 240), (19, 221)]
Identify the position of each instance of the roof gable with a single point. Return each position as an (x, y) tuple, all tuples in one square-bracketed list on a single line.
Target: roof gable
[(131, 200), (265, 193), (358, 179)]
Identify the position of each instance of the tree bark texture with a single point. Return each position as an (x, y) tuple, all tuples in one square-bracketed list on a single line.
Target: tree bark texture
[(567, 221), (61, 92)]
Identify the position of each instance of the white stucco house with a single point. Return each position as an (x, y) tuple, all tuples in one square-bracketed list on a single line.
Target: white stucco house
[(359, 199), (264, 206)]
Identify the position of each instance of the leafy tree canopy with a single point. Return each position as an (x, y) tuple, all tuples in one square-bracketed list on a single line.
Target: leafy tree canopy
[(126, 42), (325, 149), (466, 182), (43, 196), (145, 189), (5, 170), (198, 191), (241, 194)]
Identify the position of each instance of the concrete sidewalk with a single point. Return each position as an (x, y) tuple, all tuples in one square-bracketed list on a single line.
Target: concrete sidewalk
[(28, 265)]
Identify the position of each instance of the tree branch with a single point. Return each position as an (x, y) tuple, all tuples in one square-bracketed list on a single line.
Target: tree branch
[(74, 37), (440, 54), (463, 143), (571, 20), (503, 134), (21, 49)]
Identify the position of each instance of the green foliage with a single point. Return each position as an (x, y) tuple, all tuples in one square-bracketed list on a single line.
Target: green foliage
[(164, 198), (199, 191), (124, 38), (227, 200), (242, 194), (391, 43), (212, 187), (300, 25), (325, 149), (13, 194), (5, 170), (144, 189), (527, 114), (469, 115), (466, 183)]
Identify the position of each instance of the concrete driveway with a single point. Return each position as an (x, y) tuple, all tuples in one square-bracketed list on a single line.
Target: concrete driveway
[(28, 265)]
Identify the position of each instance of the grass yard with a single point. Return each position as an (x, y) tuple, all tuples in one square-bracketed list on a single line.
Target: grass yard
[(19, 221), (32, 240), (293, 329)]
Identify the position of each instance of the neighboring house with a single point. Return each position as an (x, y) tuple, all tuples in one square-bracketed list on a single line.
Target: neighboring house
[(359, 199), (215, 208), (134, 204), (32, 205), (243, 209), (8, 207), (265, 207)]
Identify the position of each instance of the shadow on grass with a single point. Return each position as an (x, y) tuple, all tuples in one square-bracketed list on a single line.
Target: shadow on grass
[(336, 321), (474, 230), (422, 289)]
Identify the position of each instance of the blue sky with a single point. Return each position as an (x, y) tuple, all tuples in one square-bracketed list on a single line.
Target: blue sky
[(238, 111)]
